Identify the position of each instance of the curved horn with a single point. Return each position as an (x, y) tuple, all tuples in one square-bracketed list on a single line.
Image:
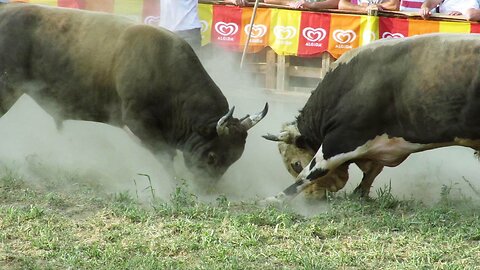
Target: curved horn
[(250, 121), (222, 128), (282, 137), (271, 137)]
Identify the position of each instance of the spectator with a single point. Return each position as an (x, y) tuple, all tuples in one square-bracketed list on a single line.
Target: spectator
[(181, 17), (472, 14), (364, 5), (411, 5), (450, 7), (325, 4)]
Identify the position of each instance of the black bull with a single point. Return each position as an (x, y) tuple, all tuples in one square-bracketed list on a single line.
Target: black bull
[(385, 101), (105, 68)]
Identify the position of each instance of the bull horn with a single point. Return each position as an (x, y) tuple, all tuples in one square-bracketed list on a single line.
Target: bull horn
[(250, 121), (282, 137), (271, 137), (222, 128)]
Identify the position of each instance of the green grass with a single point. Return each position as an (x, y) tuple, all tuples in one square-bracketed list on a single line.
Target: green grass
[(42, 228)]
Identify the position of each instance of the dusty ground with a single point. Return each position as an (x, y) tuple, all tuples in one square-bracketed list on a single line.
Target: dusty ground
[(108, 157)]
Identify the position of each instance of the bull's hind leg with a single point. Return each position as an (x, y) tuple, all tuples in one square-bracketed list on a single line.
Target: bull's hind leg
[(370, 171), (8, 94)]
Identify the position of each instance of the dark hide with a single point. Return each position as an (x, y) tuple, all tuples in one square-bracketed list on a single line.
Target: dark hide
[(100, 67), (421, 92)]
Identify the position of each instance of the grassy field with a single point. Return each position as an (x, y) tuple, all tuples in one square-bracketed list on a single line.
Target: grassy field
[(42, 227)]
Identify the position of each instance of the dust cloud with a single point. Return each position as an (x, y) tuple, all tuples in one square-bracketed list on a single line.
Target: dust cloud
[(88, 152), (80, 152)]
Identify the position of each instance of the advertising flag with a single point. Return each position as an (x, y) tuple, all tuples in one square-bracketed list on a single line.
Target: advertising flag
[(259, 30), (474, 28), (393, 27), (284, 31), (205, 13), (344, 34), (104, 5), (79, 4), (454, 27), (226, 25), (314, 31), (419, 27), (45, 2), (151, 12), (368, 29), (129, 8)]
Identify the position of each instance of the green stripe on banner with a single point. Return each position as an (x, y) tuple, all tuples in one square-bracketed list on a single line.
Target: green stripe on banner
[(129, 8)]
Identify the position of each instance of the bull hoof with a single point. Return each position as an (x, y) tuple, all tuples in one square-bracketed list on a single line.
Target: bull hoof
[(358, 193)]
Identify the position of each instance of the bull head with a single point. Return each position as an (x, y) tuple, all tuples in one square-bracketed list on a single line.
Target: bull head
[(296, 155)]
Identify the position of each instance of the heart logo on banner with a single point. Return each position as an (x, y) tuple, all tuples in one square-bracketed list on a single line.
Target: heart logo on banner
[(314, 34), (258, 30), (152, 20), (369, 36), (284, 32), (344, 36), (226, 29), (204, 26), (392, 35)]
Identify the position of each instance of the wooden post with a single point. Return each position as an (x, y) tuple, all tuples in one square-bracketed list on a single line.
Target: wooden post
[(326, 61), (282, 76), (270, 70)]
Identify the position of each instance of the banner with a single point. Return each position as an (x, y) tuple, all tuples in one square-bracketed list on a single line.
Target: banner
[(286, 31)]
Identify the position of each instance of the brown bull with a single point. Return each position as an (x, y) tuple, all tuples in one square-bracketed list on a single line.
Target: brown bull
[(100, 67)]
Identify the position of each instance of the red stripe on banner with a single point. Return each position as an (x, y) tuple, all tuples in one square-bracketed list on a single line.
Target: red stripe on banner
[(227, 25), (314, 32), (411, 4), (72, 3), (151, 12), (393, 27), (474, 28)]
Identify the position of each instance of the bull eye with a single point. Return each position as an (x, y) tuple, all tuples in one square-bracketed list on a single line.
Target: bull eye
[(212, 158), (297, 167)]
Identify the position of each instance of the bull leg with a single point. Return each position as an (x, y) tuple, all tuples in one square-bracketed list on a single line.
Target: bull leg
[(370, 171)]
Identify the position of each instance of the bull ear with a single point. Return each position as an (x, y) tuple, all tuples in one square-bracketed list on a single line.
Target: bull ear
[(250, 121), (222, 128)]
